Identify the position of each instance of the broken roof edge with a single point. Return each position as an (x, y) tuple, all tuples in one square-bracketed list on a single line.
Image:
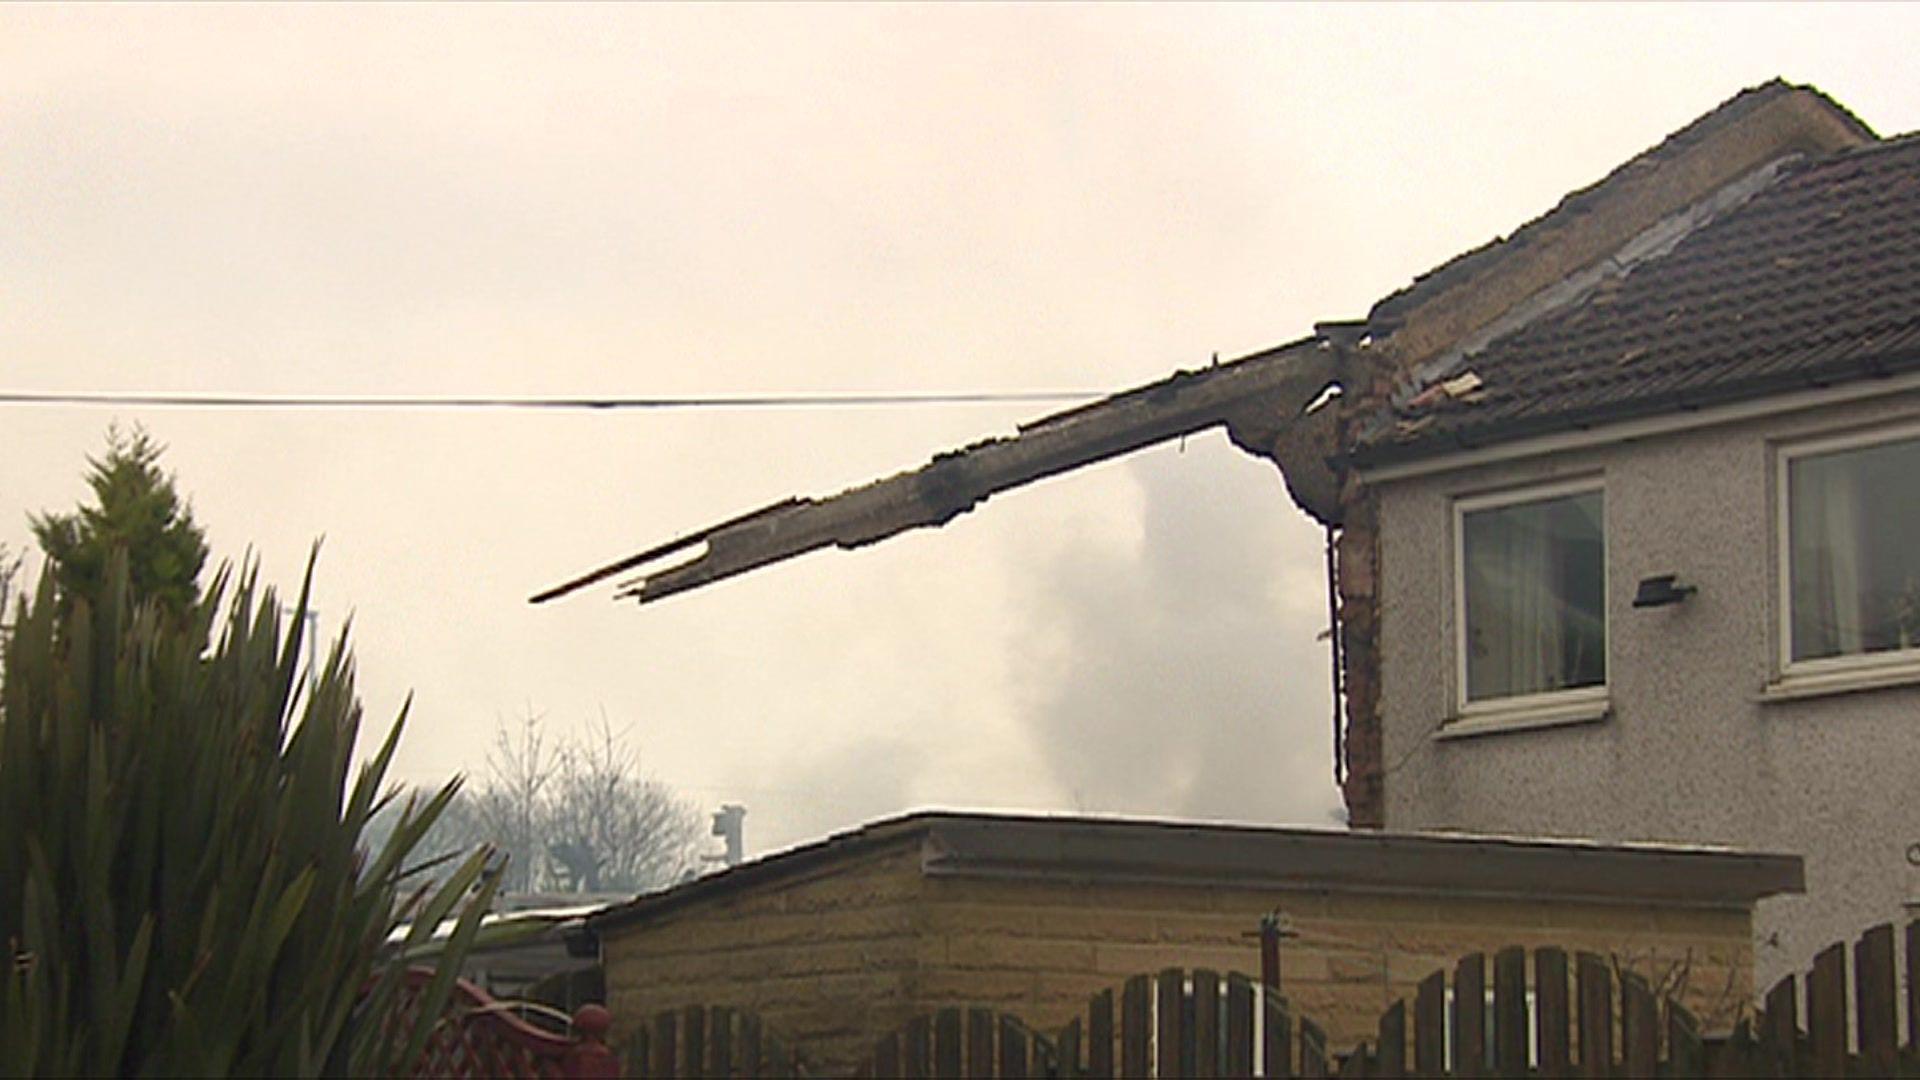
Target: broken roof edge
[(1459, 269), (1083, 849), (1755, 129), (1873, 374), (955, 481)]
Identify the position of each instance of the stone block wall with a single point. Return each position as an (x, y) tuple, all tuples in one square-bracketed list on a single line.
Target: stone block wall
[(835, 958), (825, 958), (1041, 949)]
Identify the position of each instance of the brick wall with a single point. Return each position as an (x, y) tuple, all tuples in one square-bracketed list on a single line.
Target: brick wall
[(834, 958)]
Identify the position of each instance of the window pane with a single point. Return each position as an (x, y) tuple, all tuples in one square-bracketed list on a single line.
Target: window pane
[(1853, 527), (1536, 597)]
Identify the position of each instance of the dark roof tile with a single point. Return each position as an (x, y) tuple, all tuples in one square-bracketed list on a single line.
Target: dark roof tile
[(1814, 280)]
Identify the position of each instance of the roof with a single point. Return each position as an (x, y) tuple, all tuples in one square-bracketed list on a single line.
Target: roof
[(1718, 264), (1812, 280), (1075, 849), (1463, 267)]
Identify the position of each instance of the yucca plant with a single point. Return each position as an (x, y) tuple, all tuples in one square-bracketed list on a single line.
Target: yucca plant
[(182, 886)]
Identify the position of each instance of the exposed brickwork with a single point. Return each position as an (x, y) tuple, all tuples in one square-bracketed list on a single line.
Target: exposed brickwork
[(1358, 559), (834, 959)]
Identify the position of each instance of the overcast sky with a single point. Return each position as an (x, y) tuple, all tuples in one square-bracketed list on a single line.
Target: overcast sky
[(613, 200)]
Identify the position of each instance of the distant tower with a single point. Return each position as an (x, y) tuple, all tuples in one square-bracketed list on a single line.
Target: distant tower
[(728, 824)]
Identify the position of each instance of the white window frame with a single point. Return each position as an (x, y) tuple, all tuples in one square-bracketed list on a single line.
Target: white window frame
[(1520, 712), (1831, 674)]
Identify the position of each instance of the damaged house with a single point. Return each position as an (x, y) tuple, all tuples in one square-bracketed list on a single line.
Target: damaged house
[(1626, 508)]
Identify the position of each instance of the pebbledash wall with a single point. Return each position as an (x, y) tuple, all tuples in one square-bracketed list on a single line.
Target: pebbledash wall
[(837, 943), (1701, 741)]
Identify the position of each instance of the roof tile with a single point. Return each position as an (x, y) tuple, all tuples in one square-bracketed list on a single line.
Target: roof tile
[(1814, 280)]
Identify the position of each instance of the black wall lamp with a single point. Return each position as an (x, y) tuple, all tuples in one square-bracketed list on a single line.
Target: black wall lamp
[(1661, 590)]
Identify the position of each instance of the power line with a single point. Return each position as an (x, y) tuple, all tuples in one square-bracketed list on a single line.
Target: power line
[(827, 399)]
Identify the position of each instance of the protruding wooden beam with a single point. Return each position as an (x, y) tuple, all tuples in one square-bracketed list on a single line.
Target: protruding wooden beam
[(1278, 385)]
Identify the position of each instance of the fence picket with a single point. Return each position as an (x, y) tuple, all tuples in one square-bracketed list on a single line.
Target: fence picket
[(1355, 1065), (693, 1048), (1205, 1033), (1827, 1011), (1510, 1012), (666, 1061), (979, 1042), (1171, 991), (1100, 1035), (1070, 1048), (1430, 1025), (1913, 986), (946, 1043), (1876, 1003), (1390, 1058), (1639, 1031), (720, 1045), (1736, 1056), (751, 1047), (1276, 1034), (1013, 1048), (886, 1055), (1135, 1025), (916, 1048), (1470, 1016), (1552, 1017), (1595, 1001), (636, 1055), (1313, 1049), (1685, 1054), (1779, 1026), (1239, 1057)]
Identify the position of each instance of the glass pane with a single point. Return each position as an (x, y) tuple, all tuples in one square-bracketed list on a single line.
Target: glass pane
[(1853, 526), (1536, 597)]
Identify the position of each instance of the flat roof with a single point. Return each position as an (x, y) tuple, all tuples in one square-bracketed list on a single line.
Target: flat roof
[(1082, 849)]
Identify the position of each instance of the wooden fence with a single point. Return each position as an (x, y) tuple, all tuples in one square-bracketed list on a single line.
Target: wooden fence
[(1544, 1014), (708, 1041)]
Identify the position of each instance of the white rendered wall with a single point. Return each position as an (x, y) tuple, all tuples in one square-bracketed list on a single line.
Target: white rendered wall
[(1690, 751)]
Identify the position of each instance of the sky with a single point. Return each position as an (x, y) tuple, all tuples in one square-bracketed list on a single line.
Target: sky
[(652, 201)]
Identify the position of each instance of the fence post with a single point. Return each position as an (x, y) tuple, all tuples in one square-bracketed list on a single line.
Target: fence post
[(588, 1058)]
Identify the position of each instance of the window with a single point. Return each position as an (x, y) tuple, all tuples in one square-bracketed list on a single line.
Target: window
[(1531, 599), (1851, 546)]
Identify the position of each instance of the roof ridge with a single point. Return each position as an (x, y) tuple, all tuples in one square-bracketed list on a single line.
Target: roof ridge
[(1721, 116)]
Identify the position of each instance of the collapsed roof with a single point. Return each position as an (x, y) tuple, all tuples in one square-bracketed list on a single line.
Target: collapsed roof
[(1769, 244)]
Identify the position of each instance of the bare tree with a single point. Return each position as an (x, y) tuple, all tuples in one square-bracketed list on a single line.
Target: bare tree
[(572, 815), (609, 825)]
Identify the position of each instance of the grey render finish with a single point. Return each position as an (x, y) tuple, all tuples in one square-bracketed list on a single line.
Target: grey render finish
[(1689, 751)]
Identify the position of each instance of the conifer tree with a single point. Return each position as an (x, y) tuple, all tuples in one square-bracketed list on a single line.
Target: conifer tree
[(136, 509)]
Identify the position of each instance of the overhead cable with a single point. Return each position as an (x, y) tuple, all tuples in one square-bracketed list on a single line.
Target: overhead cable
[(823, 400)]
